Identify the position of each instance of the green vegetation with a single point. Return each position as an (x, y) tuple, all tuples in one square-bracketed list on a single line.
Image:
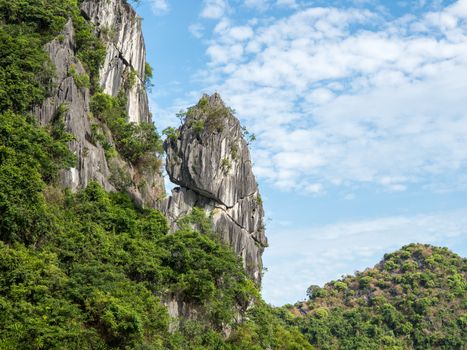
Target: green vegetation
[(226, 165), (84, 271), (81, 80), (148, 75), (259, 199), (414, 299), (249, 137), (171, 133), (131, 79), (29, 157), (234, 151), (206, 117), (88, 270), (135, 142), (90, 50), (25, 69), (95, 281)]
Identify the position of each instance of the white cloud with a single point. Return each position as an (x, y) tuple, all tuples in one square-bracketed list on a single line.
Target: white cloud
[(214, 9), (335, 250), (259, 4), (343, 96), (159, 7), (196, 29), (287, 3)]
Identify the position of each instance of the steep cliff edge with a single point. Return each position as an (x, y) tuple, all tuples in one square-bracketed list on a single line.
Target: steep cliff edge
[(209, 159), (119, 27), (71, 102), (121, 75)]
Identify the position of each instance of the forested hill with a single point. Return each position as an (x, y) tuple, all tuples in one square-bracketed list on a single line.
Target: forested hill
[(415, 298)]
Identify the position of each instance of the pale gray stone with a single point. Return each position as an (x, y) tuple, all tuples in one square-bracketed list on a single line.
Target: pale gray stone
[(214, 171), (119, 26), (146, 186)]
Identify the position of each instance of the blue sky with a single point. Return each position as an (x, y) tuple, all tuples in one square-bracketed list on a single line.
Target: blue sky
[(360, 113)]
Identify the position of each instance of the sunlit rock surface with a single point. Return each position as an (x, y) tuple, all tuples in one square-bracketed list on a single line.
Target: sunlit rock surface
[(210, 161), (120, 28), (125, 54)]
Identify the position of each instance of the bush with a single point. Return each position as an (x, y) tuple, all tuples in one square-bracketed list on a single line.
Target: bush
[(29, 158), (148, 75), (90, 50), (133, 141), (171, 133), (81, 80), (205, 117)]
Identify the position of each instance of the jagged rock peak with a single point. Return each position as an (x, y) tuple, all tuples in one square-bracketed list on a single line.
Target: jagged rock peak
[(208, 157), (119, 27), (211, 157)]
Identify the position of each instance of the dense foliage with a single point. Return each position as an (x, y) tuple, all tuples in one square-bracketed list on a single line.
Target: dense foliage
[(135, 142), (414, 299), (205, 117), (29, 157), (94, 283), (25, 69), (87, 270)]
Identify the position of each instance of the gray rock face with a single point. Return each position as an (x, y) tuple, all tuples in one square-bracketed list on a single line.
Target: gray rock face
[(144, 184), (120, 28), (211, 163), (74, 104)]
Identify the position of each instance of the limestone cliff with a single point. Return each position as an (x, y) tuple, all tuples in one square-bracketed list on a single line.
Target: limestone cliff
[(118, 26), (73, 101), (209, 159)]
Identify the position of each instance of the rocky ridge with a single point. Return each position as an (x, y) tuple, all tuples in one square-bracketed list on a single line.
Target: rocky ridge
[(209, 159)]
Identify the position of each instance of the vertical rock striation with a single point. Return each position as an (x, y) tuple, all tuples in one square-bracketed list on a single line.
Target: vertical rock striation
[(210, 161), (120, 28), (71, 103), (123, 71)]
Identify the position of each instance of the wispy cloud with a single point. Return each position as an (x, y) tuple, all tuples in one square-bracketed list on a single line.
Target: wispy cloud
[(258, 4), (196, 29), (342, 96), (335, 250), (159, 7), (214, 9), (287, 3)]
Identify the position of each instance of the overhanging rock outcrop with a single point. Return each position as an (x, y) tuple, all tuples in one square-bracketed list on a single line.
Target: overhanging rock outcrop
[(209, 159)]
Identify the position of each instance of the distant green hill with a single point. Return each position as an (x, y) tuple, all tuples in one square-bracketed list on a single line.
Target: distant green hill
[(90, 270), (415, 298)]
